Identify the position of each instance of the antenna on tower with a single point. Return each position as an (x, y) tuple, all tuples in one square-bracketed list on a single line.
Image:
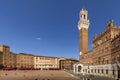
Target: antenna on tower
[(83, 8)]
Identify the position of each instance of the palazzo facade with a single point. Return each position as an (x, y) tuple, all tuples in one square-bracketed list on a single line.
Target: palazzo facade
[(104, 58), (46, 63)]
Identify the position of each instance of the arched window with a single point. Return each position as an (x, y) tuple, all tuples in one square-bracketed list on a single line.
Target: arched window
[(81, 16), (84, 16)]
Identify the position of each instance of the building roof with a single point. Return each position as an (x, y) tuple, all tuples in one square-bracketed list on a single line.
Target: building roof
[(46, 56)]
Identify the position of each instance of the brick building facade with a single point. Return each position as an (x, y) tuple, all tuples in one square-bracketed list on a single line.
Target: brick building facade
[(23, 61), (104, 57), (67, 64)]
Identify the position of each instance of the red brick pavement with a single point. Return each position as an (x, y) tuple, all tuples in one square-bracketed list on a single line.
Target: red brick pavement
[(36, 75)]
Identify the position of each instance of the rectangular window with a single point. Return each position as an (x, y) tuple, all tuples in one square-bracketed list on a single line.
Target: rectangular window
[(106, 71), (113, 72), (107, 61), (106, 49), (102, 71), (98, 71), (91, 70)]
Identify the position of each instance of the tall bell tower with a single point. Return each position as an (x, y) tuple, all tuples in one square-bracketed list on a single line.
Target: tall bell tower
[(83, 25)]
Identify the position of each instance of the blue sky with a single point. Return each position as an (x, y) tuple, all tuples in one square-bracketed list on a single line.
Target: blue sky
[(49, 27)]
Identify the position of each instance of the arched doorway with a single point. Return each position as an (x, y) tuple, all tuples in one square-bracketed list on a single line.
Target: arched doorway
[(79, 68)]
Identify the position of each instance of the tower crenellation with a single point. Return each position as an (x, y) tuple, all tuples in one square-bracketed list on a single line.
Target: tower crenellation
[(83, 22)]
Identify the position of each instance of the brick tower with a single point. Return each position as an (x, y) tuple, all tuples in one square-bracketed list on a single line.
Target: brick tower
[(83, 25)]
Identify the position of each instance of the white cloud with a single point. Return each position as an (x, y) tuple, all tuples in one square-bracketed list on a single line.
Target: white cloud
[(38, 38)]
